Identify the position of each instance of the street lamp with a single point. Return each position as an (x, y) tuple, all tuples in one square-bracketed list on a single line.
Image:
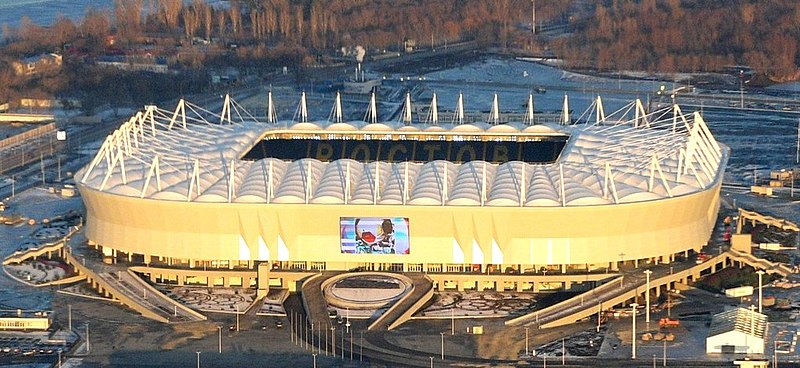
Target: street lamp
[(315, 360), (526, 341), (431, 361), (647, 297), (442, 333), (219, 339), (198, 359), (741, 87), (760, 287), (633, 330)]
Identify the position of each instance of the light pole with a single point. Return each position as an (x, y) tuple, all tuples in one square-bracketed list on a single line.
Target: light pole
[(347, 324), (526, 341), (774, 353), (647, 298), (333, 341), (69, 317), (88, 347), (442, 333), (741, 87), (219, 339), (760, 287), (452, 321), (431, 361), (198, 359), (315, 360), (599, 312), (633, 330), (665, 353)]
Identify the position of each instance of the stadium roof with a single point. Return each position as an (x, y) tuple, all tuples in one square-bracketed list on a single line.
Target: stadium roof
[(194, 155)]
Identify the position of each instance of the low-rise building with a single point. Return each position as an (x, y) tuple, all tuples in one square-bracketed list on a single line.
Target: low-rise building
[(20, 320), (37, 64), (135, 64), (737, 331)]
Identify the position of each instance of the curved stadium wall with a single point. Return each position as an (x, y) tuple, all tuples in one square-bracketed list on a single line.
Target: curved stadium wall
[(176, 185)]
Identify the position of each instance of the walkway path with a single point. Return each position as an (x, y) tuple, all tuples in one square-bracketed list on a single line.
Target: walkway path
[(631, 285), (121, 284)]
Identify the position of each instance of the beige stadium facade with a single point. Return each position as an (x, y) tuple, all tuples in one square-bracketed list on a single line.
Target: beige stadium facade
[(169, 188)]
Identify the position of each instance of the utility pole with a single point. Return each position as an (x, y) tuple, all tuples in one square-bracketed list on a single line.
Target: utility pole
[(647, 298), (633, 330), (760, 287), (533, 17), (526, 341)]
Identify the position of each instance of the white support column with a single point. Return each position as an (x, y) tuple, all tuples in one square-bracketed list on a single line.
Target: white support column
[(405, 184), (657, 167), (561, 185), (101, 153), (641, 115), (444, 184), (377, 187), (270, 190), (433, 118), (347, 183), (150, 114), (407, 110), (180, 110), (110, 170), (303, 108), (494, 115), (372, 113), (194, 181), (459, 115), (483, 184), (231, 181), (565, 119), (122, 168), (271, 115), (337, 108), (530, 109), (226, 110), (154, 170), (608, 183), (600, 114), (522, 186), (308, 182)]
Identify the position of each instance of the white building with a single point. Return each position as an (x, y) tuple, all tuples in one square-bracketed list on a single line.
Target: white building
[(737, 331)]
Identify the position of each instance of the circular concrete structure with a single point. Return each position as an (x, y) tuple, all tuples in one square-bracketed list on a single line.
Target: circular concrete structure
[(370, 290), (184, 187)]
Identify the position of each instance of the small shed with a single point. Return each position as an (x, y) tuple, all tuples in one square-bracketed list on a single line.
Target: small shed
[(737, 331)]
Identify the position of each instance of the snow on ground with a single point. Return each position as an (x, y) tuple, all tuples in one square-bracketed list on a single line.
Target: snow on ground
[(479, 304), (223, 300), (36, 204)]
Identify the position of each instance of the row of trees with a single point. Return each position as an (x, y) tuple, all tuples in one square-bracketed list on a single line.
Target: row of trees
[(312, 24), (688, 36)]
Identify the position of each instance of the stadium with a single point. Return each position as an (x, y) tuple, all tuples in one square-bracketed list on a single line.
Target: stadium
[(190, 188)]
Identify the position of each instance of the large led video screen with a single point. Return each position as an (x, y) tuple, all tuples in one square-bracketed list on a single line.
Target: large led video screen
[(374, 235)]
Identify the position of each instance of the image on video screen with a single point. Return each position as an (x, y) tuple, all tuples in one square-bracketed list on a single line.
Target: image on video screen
[(374, 235)]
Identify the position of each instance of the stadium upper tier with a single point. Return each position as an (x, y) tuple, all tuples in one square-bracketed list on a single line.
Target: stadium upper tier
[(193, 155)]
